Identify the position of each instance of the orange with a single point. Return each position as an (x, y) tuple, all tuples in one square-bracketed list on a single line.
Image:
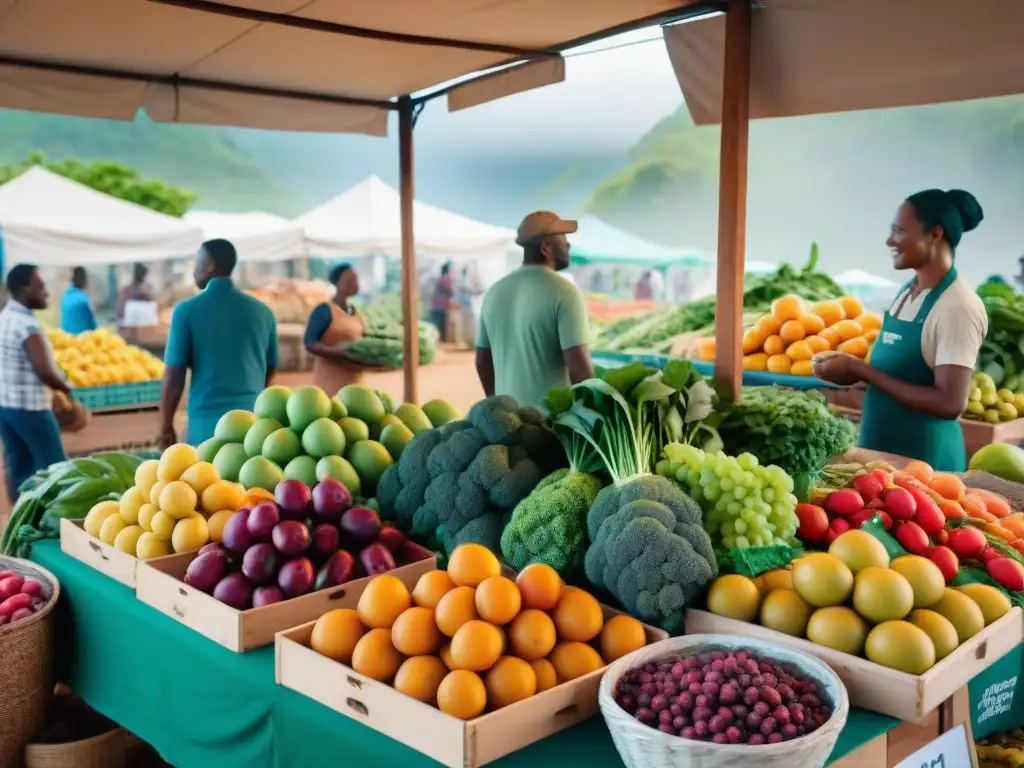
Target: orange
[(755, 362), (545, 671), (779, 364), (431, 587), (774, 345), (848, 329), (851, 306), (802, 368), (462, 694), (476, 646), (383, 601), (799, 350), (753, 339), (768, 325), (336, 633), (498, 600), (870, 336), (857, 347), (831, 335), (706, 349), (812, 323), (420, 677), (415, 633), (222, 495), (540, 585), (870, 321), (788, 308), (446, 655), (948, 487), (455, 609), (375, 656), (470, 564), (920, 469), (831, 312), (621, 635), (792, 330), (532, 634), (255, 496), (818, 344), (578, 615), (510, 680), (572, 660)]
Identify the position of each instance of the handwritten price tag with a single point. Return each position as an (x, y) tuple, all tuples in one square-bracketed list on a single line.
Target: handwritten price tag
[(951, 750)]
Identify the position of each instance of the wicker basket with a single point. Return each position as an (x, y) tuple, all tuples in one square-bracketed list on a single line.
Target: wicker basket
[(641, 746), (26, 674), (107, 750)]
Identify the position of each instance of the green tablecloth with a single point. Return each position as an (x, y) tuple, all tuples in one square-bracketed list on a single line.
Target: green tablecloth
[(201, 705)]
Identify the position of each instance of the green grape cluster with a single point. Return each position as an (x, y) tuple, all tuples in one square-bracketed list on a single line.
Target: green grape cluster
[(745, 504)]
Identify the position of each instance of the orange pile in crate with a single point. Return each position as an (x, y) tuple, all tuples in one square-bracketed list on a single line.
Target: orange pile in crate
[(470, 639)]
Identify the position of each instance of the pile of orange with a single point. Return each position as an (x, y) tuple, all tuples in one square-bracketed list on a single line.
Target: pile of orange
[(469, 639), (786, 339)]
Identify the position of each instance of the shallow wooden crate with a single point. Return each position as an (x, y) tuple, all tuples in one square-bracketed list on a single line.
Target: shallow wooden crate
[(450, 741), (160, 585), (104, 558), (881, 689)]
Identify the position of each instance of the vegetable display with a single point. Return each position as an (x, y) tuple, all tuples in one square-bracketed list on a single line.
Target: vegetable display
[(381, 346), (1002, 356), (461, 482), (69, 490)]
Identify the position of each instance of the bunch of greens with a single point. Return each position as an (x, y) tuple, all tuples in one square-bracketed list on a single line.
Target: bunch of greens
[(793, 429), (1002, 354), (69, 490)]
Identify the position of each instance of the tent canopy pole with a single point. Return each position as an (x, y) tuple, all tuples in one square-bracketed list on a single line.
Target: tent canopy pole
[(732, 198), (410, 285)]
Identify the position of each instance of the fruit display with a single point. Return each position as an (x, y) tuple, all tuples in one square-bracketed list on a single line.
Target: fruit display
[(469, 639), (786, 339), (657, 331), (65, 490), (987, 403), (292, 301), (897, 612), (725, 697), (307, 435), (101, 357), (177, 504), (20, 597), (1001, 750), (1003, 460), (299, 541)]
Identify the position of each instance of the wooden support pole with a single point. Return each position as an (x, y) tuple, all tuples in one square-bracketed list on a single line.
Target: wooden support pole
[(410, 285), (732, 197)]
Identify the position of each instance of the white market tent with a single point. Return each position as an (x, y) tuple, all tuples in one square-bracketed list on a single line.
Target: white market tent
[(48, 220), (257, 236)]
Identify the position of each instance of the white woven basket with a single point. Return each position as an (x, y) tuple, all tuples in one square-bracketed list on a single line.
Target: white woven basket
[(641, 746)]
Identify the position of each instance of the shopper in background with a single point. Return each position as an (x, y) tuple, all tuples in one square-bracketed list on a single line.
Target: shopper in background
[(229, 341), (534, 333), (136, 302), (642, 291), (76, 311), (471, 291), (444, 292), (333, 326), (28, 428)]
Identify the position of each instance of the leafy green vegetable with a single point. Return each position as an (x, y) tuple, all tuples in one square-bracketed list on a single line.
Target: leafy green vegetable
[(1002, 354)]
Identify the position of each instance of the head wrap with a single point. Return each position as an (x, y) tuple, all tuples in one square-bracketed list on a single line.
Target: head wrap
[(956, 211)]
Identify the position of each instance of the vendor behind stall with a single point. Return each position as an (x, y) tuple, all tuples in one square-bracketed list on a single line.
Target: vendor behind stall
[(919, 374), (76, 311), (331, 327), (136, 305), (227, 339)]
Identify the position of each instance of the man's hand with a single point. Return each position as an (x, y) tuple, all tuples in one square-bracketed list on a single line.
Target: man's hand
[(837, 367), (167, 437)]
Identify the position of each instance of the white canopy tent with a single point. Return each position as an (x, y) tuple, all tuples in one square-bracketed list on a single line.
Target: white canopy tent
[(48, 220), (257, 236)]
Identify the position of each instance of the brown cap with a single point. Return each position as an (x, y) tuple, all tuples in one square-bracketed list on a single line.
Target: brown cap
[(541, 223)]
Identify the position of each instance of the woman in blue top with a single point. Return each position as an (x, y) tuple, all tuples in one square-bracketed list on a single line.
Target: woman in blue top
[(76, 312), (919, 375)]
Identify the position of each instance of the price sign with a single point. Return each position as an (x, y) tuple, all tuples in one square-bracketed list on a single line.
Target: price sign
[(951, 750)]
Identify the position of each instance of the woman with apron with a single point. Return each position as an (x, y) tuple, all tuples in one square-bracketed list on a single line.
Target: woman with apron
[(333, 326), (919, 375)]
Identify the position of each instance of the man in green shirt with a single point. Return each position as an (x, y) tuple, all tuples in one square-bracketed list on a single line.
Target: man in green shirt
[(227, 338), (534, 334)]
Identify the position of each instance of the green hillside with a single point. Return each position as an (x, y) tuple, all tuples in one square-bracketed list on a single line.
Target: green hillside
[(203, 160)]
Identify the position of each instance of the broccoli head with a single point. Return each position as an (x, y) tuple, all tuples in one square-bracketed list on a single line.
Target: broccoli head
[(649, 488), (550, 525)]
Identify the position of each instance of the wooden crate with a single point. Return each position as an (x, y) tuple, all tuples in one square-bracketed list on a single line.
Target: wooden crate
[(104, 558), (881, 689), (450, 741), (160, 585)]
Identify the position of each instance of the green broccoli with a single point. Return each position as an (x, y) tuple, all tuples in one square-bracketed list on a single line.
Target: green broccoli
[(484, 530), (550, 525)]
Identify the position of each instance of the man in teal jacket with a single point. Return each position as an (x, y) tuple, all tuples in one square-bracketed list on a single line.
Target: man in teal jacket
[(229, 341)]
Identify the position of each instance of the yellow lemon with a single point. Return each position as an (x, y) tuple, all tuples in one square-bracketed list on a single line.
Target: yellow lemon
[(150, 545), (222, 494), (155, 491), (145, 476), (200, 476), (163, 525), (127, 539), (98, 514), (131, 503), (146, 513), (175, 460), (178, 499), (215, 523), (189, 534), (112, 526)]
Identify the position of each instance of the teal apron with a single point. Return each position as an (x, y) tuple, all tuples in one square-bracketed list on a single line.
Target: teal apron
[(887, 425)]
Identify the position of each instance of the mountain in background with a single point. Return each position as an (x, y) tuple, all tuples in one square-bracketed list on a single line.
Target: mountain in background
[(835, 178)]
